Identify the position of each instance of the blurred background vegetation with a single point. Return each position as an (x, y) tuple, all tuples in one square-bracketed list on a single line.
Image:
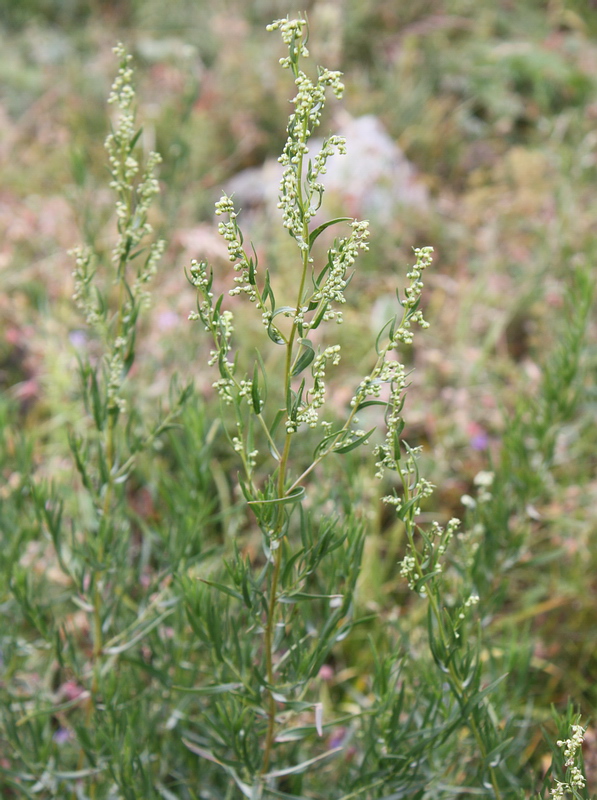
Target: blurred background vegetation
[(494, 103)]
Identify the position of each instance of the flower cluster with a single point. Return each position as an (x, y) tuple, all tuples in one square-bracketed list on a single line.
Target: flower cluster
[(413, 292), (444, 535), (146, 273), (221, 326), (230, 230), (417, 566), (576, 779), (472, 600), (250, 458), (292, 31), (224, 389), (122, 91), (131, 211), (244, 266), (308, 102), (408, 570), (483, 481), (389, 371), (308, 413), (223, 330), (319, 165), (115, 377), (388, 453), (85, 299), (134, 197), (289, 203), (341, 258)]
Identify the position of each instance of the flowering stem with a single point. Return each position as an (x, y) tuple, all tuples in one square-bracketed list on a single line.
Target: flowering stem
[(271, 613), (456, 682)]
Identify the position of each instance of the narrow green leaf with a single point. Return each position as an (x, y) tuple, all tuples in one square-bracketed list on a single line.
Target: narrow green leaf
[(478, 696), (286, 574), (296, 495), (141, 634), (272, 431), (367, 403), (305, 358), (206, 691), (255, 395), (245, 589), (388, 324), (292, 598), (206, 754), (318, 231), (261, 365), (277, 419), (317, 281), (297, 399), (304, 765), (165, 793), (317, 319), (275, 335), (99, 409), (135, 139), (290, 310), (51, 710), (76, 774), (326, 439), (346, 448), (221, 587), (268, 293), (217, 307)]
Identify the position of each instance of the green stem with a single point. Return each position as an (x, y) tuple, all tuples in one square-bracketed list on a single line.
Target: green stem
[(271, 615), (272, 605), (109, 445), (454, 678)]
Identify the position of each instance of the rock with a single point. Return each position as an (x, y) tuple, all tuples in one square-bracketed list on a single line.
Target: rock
[(373, 180)]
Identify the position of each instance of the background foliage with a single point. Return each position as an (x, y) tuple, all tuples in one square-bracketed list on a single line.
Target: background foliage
[(494, 103)]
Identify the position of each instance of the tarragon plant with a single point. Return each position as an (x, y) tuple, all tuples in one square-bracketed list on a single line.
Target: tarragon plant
[(66, 735), (275, 634), (181, 663)]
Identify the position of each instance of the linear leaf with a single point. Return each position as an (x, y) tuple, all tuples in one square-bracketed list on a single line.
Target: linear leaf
[(135, 139), (121, 648), (367, 403), (255, 394), (296, 494), (388, 324), (274, 334), (346, 448), (220, 688), (280, 773), (284, 310), (76, 774), (40, 712), (330, 437), (200, 751), (318, 231), (221, 587), (305, 358), (294, 596)]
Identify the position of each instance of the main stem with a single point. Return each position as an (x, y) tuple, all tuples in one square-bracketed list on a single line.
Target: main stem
[(105, 516), (271, 615), (272, 604)]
